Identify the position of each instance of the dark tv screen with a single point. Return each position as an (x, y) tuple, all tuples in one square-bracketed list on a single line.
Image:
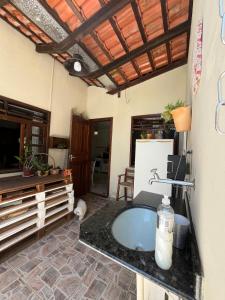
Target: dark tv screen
[(9, 145)]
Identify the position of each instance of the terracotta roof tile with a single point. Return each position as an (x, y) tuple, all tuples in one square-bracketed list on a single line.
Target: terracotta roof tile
[(151, 17), (143, 64), (128, 26), (177, 12)]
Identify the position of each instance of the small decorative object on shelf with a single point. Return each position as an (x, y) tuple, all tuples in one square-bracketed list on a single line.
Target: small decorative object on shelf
[(67, 173), (58, 142), (26, 160), (55, 171)]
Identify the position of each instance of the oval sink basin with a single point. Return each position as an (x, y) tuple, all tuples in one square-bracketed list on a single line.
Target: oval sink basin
[(135, 229)]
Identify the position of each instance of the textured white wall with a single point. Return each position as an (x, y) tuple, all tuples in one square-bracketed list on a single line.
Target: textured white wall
[(36, 79), (208, 199)]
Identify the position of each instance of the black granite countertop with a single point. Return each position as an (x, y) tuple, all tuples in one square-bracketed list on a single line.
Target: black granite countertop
[(182, 278)]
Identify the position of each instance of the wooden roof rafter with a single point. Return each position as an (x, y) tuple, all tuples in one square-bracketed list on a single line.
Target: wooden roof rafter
[(143, 49), (165, 25), (102, 15), (119, 35), (142, 31)]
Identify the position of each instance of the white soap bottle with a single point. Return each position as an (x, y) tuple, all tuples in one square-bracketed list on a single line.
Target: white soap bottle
[(164, 234)]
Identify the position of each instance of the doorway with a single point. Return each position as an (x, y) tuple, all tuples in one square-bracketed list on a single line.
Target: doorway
[(100, 153)]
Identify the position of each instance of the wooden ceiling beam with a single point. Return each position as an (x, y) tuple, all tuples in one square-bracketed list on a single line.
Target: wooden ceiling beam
[(120, 38), (142, 31), (149, 76), (166, 28), (184, 27), (102, 15), (189, 18), (123, 43)]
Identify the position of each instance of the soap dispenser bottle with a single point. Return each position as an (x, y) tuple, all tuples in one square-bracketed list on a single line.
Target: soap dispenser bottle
[(164, 234)]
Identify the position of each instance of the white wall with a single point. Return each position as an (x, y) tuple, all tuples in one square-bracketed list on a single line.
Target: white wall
[(147, 98), (36, 79), (208, 199)]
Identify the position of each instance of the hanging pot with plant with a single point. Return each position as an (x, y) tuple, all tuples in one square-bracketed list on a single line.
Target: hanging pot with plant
[(182, 118)]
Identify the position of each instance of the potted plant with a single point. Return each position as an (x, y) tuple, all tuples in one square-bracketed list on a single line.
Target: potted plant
[(26, 160), (41, 166), (180, 114)]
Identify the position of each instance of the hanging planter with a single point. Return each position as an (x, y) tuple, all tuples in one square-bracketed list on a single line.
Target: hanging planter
[(179, 114), (182, 118)]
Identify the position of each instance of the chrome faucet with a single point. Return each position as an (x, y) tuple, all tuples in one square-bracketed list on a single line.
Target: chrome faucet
[(156, 178)]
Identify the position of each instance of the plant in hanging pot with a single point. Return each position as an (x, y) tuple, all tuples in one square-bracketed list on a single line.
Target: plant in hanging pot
[(26, 161), (180, 114)]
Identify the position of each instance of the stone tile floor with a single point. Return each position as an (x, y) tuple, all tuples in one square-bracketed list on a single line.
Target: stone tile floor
[(59, 267)]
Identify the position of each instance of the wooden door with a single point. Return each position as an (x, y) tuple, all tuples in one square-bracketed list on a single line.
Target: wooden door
[(79, 157)]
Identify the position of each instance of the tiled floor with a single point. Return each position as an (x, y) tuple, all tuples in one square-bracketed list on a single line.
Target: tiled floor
[(59, 267)]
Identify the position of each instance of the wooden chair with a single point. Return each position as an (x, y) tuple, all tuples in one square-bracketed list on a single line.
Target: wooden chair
[(127, 183)]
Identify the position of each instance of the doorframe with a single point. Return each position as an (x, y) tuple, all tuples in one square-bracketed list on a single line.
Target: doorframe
[(96, 120)]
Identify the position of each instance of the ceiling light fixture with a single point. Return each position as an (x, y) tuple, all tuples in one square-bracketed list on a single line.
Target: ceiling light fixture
[(77, 66)]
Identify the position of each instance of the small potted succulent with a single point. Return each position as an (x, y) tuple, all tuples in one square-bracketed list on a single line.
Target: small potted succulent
[(55, 171), (180, 114), (26, 161)]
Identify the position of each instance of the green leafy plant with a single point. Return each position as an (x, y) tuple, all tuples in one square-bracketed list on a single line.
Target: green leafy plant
[(40, 165), (26, 160), (166, 115), (143, 135)]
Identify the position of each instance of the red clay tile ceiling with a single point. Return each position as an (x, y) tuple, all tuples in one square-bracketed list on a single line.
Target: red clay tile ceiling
[(122, 42)]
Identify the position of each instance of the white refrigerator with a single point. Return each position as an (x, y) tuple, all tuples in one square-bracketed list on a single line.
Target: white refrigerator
[(152, 154)]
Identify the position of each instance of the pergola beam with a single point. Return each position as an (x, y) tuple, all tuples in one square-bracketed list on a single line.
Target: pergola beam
[(149, 76), (165, 25), (142, 49), (142, 31), (109, 10)]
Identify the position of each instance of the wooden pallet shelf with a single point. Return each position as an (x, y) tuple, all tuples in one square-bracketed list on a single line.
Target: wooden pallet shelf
[(27, 209)]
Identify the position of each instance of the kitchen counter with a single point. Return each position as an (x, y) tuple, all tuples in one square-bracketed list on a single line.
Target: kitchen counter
[(183, 278)]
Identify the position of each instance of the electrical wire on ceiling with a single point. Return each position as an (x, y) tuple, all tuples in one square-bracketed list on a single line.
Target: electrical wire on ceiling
[(52, 83), (126, 97)]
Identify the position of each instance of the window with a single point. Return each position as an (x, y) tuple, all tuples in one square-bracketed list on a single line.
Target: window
[(151, 126), (21, 124)]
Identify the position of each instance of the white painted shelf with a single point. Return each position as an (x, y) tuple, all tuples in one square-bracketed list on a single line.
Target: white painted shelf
[(38, 210)]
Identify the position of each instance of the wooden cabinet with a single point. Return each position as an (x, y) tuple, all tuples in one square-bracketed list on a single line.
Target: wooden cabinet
[(148, 290), (29, 205)]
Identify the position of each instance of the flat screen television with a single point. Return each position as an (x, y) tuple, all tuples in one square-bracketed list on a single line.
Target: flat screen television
[(9, 145)]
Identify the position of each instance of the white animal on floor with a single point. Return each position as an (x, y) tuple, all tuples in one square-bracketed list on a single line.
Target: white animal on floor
[(81, 209)]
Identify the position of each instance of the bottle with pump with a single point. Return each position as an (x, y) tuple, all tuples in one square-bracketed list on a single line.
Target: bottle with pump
[(164, 234)]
